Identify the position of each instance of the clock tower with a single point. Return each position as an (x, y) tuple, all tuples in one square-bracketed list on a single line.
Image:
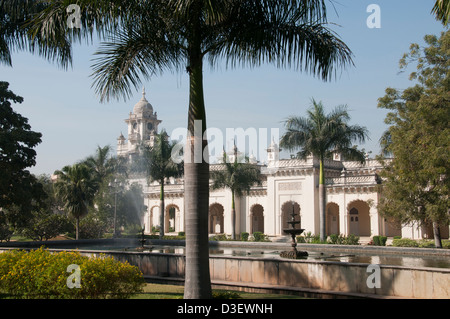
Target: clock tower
[(142, 127)]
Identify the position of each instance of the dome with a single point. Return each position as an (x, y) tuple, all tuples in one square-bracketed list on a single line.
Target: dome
[(143, 107)]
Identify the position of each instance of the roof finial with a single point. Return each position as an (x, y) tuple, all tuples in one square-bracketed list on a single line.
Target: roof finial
[(143, 92)]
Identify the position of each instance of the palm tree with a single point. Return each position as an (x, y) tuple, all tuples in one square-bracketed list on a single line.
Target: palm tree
[(160, 166), (76, 188), (14, 33), (322, 134), (150, 37), (101, 163), (237, 176), (442, 11)]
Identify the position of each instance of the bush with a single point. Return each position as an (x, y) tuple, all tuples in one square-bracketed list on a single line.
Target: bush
[(405, 242), (446, 244), (226, 295), (220, 237), (379, 240), (259, 236), (5, 232), (244, 236), (351, 240), (42, 274), (334, 239), (309, 238), (45, 226)]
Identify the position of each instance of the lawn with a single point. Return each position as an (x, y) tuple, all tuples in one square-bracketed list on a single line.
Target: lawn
[(158, 291)]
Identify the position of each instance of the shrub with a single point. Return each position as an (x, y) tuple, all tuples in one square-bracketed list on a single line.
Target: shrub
[(220, 237), (426, 243), (259, 236), (446, 244), (244, 236), (309, 238), (5, 232), (379, 240), (42, 274), (351, 240), (226, 295), (405, 242)]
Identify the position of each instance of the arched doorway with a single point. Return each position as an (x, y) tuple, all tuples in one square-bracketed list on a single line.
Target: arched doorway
[(152, 226), (286, 215), (216, 219), (332, 221), (170, 218), (257, 218), (359, 218)]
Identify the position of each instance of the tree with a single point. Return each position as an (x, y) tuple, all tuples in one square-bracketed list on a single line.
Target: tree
[(416, 183), (76, 187), (442, 10), (20, 191), (46, 220), (149, 37), (160, 166), (102, 164), (237, 176), (322, 134), (14, 33)]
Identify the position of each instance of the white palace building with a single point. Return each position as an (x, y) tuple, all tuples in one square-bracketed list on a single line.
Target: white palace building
[(352, 193)]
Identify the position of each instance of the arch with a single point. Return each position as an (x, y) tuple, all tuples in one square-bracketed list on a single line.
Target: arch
[(151, 216), (216, 219), (332, 219), (286, 215), (358, 218), (170, 218), (257, 218)]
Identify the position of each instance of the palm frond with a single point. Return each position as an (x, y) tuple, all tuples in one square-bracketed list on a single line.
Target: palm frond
[(284, 33), (442, 11), (321, 134)]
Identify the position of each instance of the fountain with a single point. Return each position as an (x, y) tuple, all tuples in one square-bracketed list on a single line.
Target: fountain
[(293, 254), (142, 240)]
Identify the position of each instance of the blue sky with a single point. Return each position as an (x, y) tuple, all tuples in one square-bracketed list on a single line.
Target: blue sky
[(64, 108)]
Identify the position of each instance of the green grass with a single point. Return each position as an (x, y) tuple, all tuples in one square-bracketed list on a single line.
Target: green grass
[(158, 291)]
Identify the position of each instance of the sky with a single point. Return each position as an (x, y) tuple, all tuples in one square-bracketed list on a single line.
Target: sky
[(62, 105)]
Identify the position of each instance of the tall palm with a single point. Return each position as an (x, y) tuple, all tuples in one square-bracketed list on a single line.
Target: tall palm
[(237, 176), (101, 163), (322, 134), (160, 166), (149, 37), (76, 188)]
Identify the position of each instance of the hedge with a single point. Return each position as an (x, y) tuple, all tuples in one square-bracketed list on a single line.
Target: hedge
[(42, 274)]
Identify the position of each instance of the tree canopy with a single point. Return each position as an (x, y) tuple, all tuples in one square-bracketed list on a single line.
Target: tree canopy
[(18, 187), (320, 134), (417, 182)]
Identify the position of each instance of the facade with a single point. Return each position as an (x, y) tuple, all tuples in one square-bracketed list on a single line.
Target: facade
[(352, 193)]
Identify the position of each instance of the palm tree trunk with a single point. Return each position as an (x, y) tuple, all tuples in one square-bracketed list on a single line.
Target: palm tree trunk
[(437, 235), (196, 176), (233, 217), (161, 210), (322, 198), (77, 226)]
